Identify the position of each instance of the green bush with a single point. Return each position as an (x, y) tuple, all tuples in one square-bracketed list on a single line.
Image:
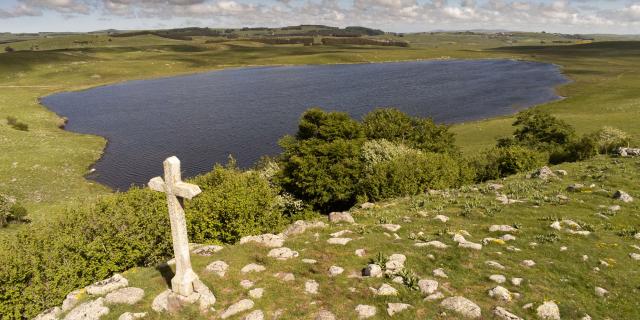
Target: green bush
[(500, 162), (420, 133), (14, 123), (411, 173), (583, 149), (46, 262), (539, 129), (233, 204)]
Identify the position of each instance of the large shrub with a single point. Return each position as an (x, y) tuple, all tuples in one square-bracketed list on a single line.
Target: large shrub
[(233, 204), (500, 162), (539, 129), (421, 133), (45, 262)]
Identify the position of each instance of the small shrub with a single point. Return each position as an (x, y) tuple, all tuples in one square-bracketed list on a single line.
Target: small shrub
[(583, 149), (18, 213), (14, 123), (499, 162), (539, 129), (380, 260)]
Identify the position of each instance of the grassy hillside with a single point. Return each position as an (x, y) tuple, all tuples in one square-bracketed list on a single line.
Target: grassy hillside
[(44, 167), (568, 267)]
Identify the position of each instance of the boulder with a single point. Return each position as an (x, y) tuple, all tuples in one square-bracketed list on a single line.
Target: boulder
[(365, 311), (500, 293), (128, 295), (117, 281), (238, 307), (548, 311), (91, 310), (463, 306), (336, 217)]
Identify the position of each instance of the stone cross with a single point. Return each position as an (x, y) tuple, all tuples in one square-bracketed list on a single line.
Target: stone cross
[(183, 282)]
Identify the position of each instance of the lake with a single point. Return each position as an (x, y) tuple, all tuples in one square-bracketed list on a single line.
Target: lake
[(203, 118)]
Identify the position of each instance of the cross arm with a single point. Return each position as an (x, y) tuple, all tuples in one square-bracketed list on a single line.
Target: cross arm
[(180, 189)]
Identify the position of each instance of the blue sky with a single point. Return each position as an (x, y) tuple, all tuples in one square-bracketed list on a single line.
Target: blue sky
[(568, 16)]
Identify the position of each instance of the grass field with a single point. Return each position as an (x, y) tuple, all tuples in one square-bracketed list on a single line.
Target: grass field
[(564, 276), (44, 167)]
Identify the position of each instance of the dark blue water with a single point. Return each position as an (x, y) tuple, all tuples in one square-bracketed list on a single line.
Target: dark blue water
[(205, 117)]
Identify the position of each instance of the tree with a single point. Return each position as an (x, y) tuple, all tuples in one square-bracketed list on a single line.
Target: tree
[(538, 129)]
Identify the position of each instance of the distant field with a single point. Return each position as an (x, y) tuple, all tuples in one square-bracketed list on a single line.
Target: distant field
[(44, 166)]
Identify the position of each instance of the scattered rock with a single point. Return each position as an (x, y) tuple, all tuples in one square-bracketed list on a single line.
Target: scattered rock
[(372, 270), (601, 292), (218, 267), (283, 253), (440, 273), (91, 310), (385, 290), (470, 245), (395, 263), (252, 267), (335, 270), (494, 186), (441, 218), (117, 281), (254, 315), (207, 250), (240, 306), (132, 316), (285, 276), (268, 240), (516, 281), (325, 315), (246, 284), (393, 308), (575, 187), (365, 311), (634, 256), (622, 196), (436, 244), (360, 252), (336, 217), (428, 286), (497, 278), (502, 228), (462, 306), (435, 296), (549, 311), (528, 263), (309, 261), (501, 293), (256, 293), (341, 241), (128, 295), (49, 314), (494, 264), (544, 173), (502, 313), (311, 287), (300, 226)]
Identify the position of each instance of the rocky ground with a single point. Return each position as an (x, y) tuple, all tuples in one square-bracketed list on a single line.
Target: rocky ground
[(562, 243)]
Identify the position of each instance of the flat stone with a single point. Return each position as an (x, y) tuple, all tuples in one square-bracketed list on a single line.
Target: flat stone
[(309, 261), (341, 233), (440, 273), (117, 281), (503, 314), (497, 278), (91, 310), (428, 286), (390, 227), (365, 311), (252, 267), (285, 276), (208, 250), (218, 267), (254, 315), (311, 287), (49, 314), (256, 293), (336, 217), (393, 308), (528, 263), (385, 290), (470, 245), (500, 293), (463, 306), (436, 244), (132, 316), (441, 218), (268, 240), (282, 253), (128, 295), (335, 270), (502, 228), (341, 241), (238, 307), (548, 311), (494, 264)]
